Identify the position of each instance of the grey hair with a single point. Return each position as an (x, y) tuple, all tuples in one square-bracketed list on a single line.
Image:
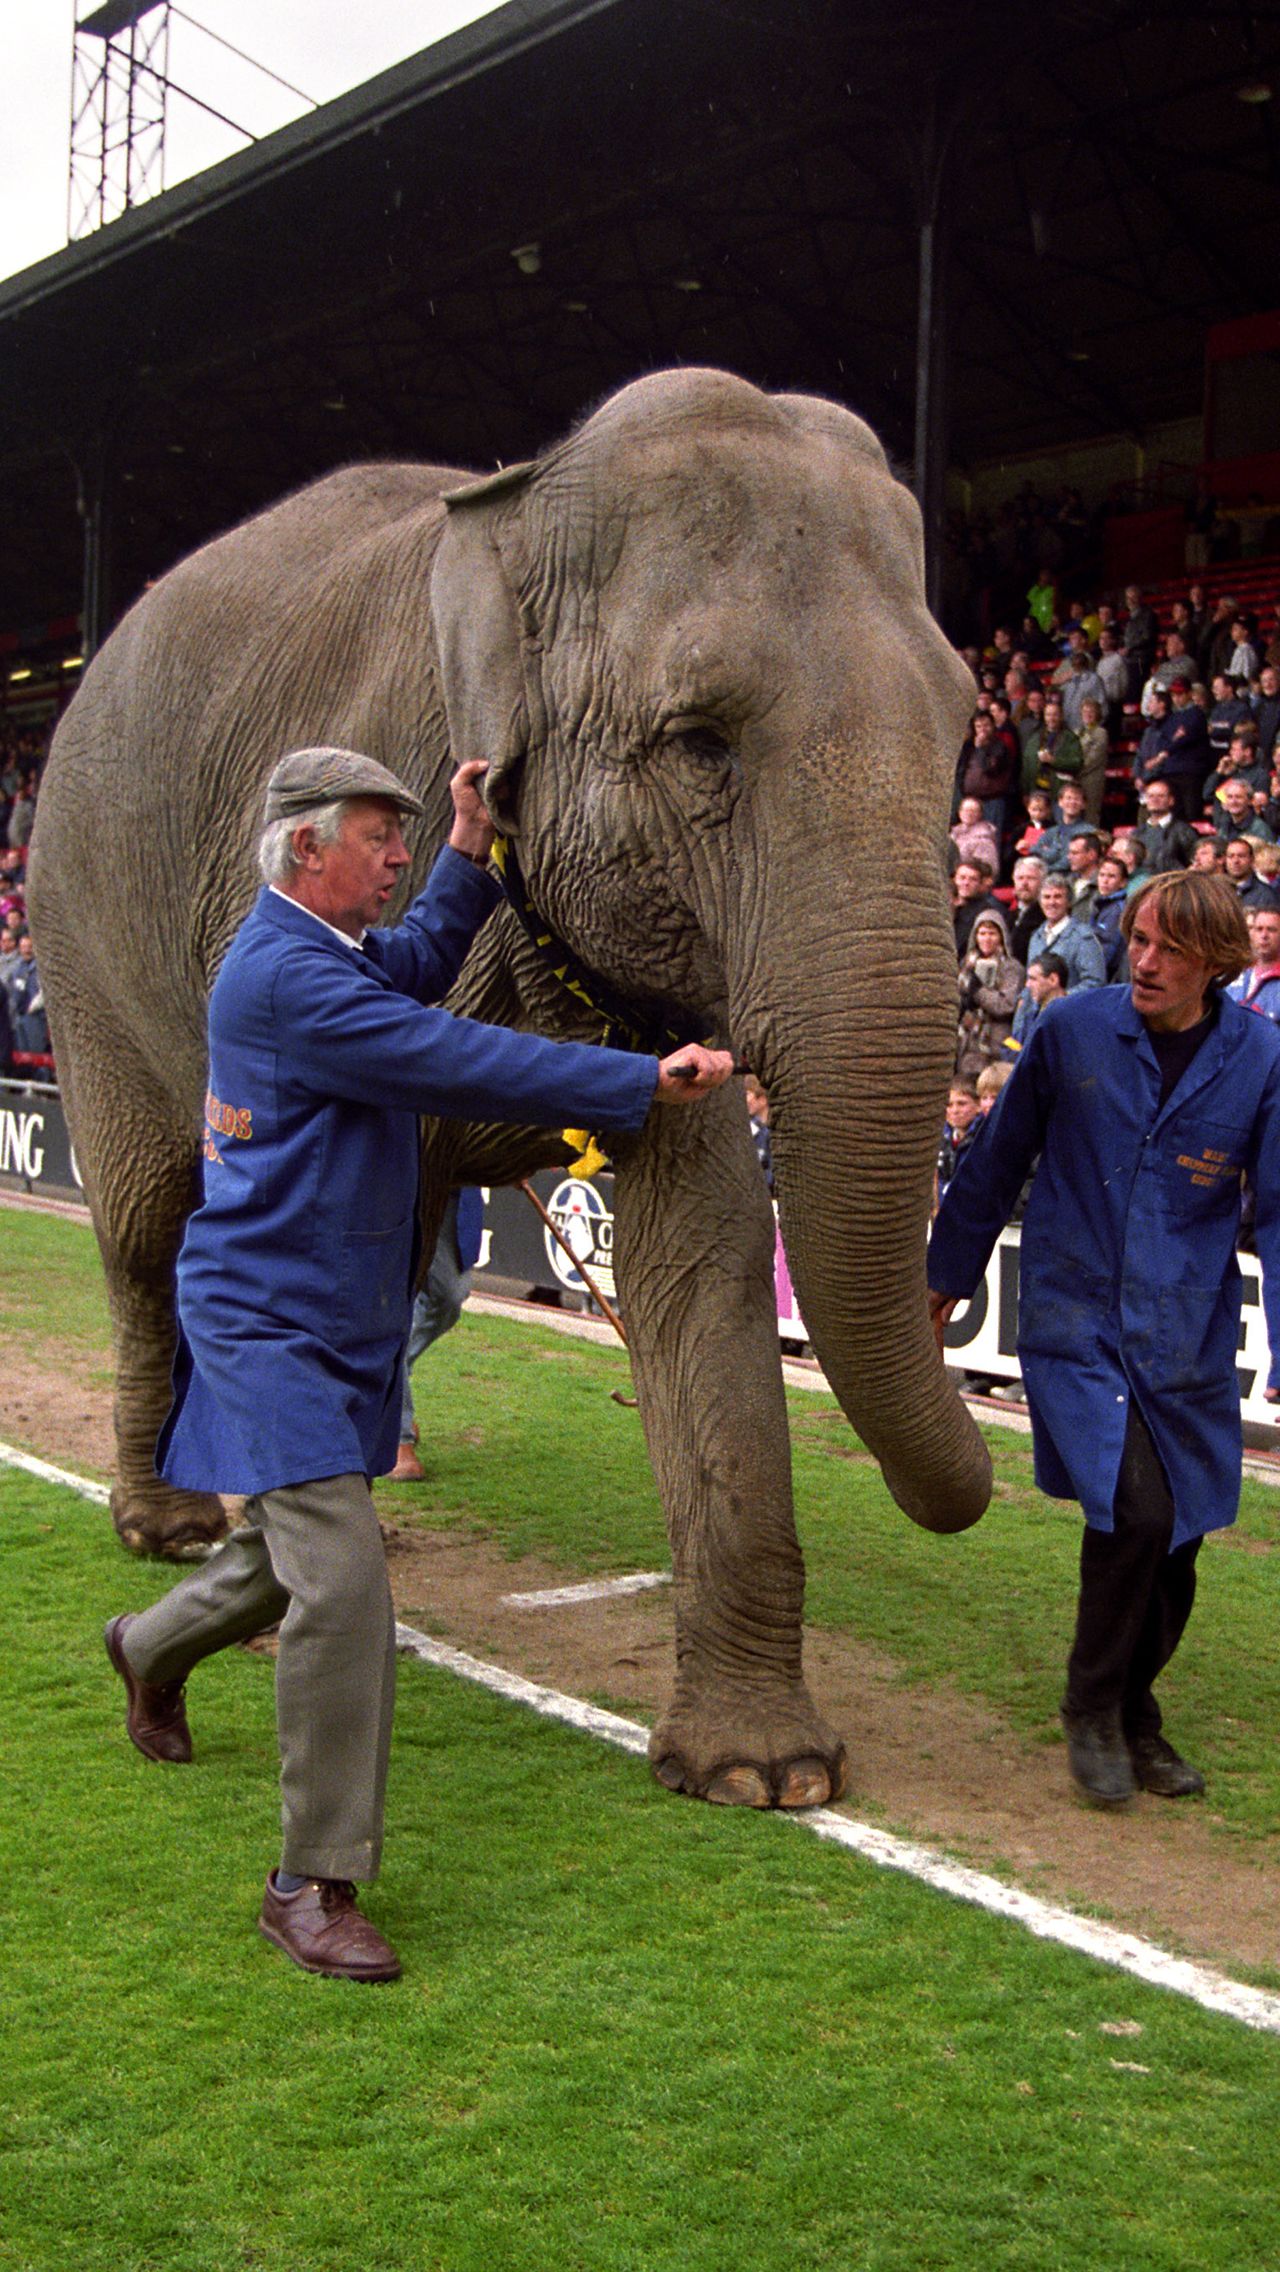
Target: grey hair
[(276, 857), (1030, 860)]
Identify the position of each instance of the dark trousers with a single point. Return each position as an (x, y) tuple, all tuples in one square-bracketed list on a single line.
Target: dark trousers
[(1135, 1596)]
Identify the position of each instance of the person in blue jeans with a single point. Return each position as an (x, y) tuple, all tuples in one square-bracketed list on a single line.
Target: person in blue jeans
[(436, 1311)]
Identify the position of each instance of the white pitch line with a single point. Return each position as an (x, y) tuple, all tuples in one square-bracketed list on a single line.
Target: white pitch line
[(595, 1589), (98, 1492), (1125, 1952)]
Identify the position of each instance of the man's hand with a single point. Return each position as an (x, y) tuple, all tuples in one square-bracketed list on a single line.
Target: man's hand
[(472, 831), (692, 1072), (940, 1308)]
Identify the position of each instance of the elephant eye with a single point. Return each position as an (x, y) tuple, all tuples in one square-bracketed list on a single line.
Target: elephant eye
[(698, 736)]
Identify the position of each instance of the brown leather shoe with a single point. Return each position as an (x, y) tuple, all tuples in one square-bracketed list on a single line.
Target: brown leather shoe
[(321, 1929), (154, 1717), (408, 1467)]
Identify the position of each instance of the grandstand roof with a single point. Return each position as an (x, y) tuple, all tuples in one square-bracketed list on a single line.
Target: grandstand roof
[(454, 259)]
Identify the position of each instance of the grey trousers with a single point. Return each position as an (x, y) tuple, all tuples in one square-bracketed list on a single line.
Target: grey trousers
[(312, 1554)]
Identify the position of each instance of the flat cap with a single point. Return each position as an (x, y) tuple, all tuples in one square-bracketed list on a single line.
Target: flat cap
[(308, 777)]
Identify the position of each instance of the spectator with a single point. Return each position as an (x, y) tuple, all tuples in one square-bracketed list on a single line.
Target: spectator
[(975, 838), (1084, 857), (9, 956), (989, 1083), (972, 886), (1241, 664), (22, 815), (1111, 894), (1252, 893), (1229, 709), (1028, 879), (1174, 750), (1238, 817), (1176, 665), (1259, 986), (1165, 841), (1113, 671), (1095, 749), (1130, 850), (1046, 764), (1219, 644), (1208, 855), (1031, 724), (1082, 685), (1047, 977), (1038, 806), (758, 1115), (1266, 711), (1052, 847), (1042, 599), (989, 984), (436, 1311), (988, 771), (1073, 943), (1140, 633), (26, 1003), (962, 1120), (1240, 762)]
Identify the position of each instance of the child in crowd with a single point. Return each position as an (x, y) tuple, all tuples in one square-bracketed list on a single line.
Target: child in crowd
[(1039, 811), (975, 838), (959, 1129), (989, 1083)]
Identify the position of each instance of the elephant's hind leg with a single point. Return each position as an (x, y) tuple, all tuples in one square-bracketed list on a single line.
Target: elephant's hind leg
[(138, 1160)]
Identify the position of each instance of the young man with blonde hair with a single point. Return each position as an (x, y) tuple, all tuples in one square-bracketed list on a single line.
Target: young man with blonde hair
[(1146, 1105)]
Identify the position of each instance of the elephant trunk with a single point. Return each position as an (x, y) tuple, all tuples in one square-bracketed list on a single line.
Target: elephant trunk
[(857, 1078)]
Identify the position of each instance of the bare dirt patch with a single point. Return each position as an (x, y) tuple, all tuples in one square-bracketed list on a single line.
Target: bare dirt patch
[(928, 1763)]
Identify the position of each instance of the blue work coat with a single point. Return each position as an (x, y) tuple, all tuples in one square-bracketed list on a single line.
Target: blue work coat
[(1129, 1283), (294, 1280)]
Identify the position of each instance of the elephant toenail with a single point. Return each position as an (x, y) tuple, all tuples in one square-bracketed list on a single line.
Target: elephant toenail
[(739, 1787)]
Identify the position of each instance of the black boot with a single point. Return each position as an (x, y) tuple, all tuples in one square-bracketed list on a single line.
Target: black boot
[(1159, 1768), (1099, 1757)]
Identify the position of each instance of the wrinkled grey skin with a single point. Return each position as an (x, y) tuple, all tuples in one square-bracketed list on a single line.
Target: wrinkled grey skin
[(721, 724)]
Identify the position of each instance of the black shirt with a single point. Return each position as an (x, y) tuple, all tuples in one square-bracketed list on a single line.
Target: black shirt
[(1174, 1051)]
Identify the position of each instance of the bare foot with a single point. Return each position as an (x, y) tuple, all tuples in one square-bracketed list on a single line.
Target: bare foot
[(408, 1467)]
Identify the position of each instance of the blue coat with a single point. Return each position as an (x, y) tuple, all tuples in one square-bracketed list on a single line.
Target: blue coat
[(294, 1280), (1129, 1281)]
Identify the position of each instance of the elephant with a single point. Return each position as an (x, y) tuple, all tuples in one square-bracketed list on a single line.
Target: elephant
[(692, 643)]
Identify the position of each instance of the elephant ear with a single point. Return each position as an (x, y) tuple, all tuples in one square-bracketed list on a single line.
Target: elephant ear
[(480, 631)]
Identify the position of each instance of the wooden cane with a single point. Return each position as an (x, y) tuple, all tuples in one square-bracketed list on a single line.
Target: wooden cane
[(585, 1275)]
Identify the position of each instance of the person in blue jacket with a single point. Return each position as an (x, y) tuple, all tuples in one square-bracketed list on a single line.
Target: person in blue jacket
[(1146, 1105), (436, 1311), (295, 1285)]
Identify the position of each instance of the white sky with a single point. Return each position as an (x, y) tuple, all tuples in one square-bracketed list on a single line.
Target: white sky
[(322, 46)]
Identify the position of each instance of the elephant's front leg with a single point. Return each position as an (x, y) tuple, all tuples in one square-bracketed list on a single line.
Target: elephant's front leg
[(695, 1275)]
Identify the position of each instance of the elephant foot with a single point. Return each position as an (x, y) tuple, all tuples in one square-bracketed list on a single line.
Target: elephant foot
[(743, 1747), (175, 1526)]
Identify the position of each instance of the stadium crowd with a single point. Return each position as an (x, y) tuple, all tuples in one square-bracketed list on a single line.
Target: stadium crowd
[(1104, 749), (24, 1028)]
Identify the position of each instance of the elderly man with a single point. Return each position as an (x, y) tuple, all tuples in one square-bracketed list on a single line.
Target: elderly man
[(1146, 1106), (1237, 816), (1073, 942), (294, 1288)]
